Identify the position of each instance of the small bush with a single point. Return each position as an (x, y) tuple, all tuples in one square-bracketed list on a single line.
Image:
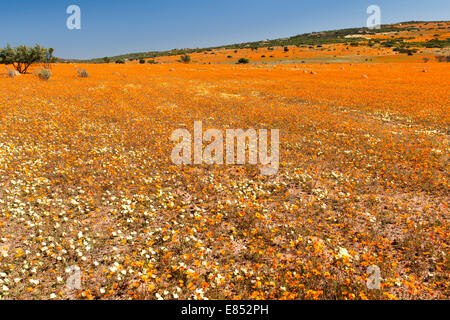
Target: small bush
[(152, 62), (409, 52), (141, 61), (186, 58), (243, 61), (82, 73), (286, 49), (120, 61), (44, 74), (443, 58), (11, 73)]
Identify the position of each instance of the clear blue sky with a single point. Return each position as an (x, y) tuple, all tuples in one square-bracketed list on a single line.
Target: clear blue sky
[(112, 27)]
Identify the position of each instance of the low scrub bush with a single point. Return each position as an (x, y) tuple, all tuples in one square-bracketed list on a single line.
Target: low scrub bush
[(185, 58), (44, 74), (82, 73), (443, 58), (11, 73)]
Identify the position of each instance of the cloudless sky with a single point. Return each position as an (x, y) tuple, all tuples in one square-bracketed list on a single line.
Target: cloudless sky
[(113, 27)]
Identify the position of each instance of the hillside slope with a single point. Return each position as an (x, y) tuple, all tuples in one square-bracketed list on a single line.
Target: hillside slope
[(407, 38)]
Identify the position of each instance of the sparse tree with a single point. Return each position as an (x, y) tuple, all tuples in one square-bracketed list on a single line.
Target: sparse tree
[(22, 57), (49, 58)]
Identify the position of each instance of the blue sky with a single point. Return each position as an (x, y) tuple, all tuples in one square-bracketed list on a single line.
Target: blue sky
[(112, 27)]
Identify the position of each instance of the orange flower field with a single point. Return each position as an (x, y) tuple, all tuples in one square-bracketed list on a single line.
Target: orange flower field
[(88, 184)]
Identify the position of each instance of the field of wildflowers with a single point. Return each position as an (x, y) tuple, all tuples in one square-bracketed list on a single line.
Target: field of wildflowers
[(88, 184)]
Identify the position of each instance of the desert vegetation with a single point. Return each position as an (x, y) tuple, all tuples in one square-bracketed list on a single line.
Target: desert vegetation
[(22, 57), (88, 183)]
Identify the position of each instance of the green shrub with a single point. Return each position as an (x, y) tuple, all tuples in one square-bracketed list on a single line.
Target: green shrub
[(243, 61), (121, 61), (141, 61), (82, 73), (185, 58), (443, 58), (436, 43), (44, 74), (405, 50)]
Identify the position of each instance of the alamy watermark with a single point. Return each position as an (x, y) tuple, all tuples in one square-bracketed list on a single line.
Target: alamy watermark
[(237, 142), (74, 280), (73, 22), (374, 280), (374, 20)]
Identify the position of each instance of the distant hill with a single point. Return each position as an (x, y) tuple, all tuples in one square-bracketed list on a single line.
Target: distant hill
[(349, 36)]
